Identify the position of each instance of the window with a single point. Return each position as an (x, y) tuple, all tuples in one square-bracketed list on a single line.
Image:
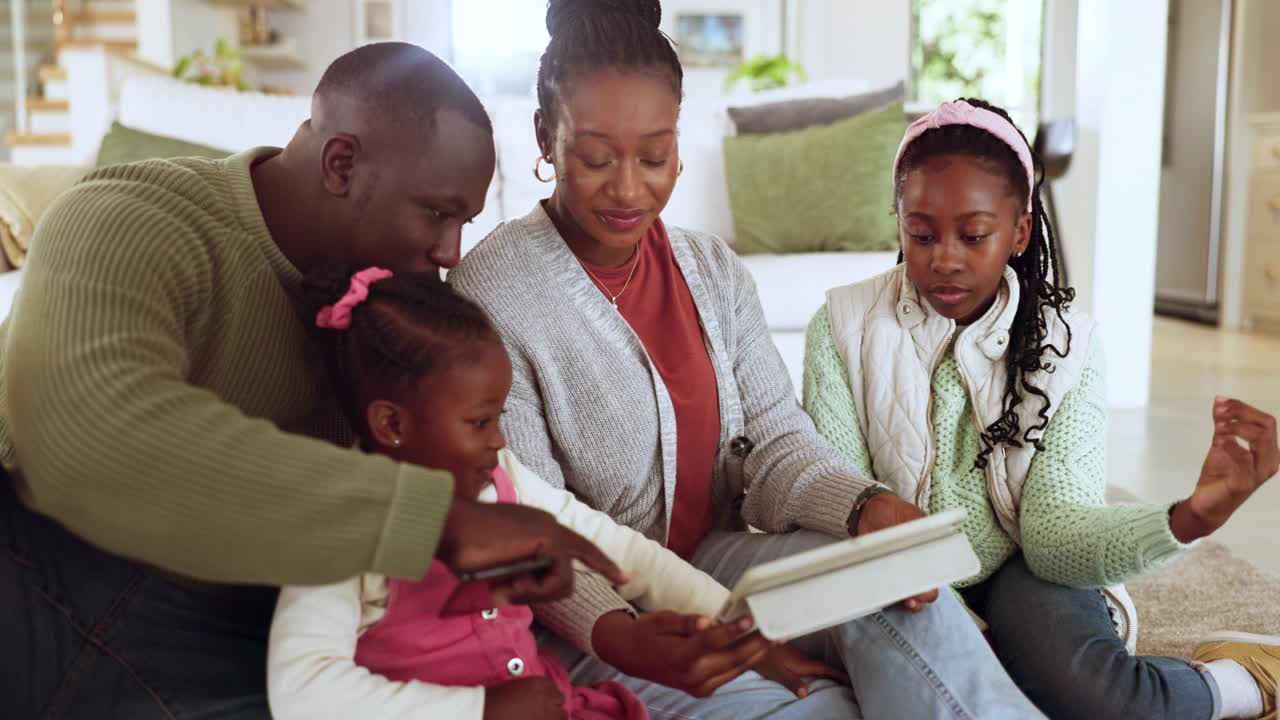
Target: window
[(497, 44), (978, 48)]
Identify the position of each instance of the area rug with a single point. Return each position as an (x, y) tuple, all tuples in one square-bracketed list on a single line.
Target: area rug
[(1206, 590)]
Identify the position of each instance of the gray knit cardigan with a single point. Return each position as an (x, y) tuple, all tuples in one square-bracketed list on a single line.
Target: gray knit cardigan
[(589, 412)]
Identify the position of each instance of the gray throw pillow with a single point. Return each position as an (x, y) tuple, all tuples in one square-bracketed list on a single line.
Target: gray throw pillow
[(800, 114)]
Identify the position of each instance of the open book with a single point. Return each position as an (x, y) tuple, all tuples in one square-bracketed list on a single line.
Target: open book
[(826, 586)]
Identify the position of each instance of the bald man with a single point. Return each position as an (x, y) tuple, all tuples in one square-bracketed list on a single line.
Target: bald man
[(169, 450)]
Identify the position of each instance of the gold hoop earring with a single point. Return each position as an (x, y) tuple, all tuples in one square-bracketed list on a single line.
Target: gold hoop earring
[(537, 167)]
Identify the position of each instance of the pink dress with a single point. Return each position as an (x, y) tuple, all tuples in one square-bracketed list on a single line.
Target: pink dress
[(413, 641)]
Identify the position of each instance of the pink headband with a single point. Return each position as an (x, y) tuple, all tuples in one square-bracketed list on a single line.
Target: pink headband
[(960, 112), (338, 315)]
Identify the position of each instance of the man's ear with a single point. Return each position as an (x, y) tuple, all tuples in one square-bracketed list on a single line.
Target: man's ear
[(338, 163), (388, 423)]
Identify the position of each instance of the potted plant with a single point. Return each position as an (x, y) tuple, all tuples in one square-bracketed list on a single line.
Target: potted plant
[(224, 68), (765, 72)]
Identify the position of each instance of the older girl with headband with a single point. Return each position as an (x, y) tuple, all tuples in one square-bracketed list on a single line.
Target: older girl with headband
[(963, 379)]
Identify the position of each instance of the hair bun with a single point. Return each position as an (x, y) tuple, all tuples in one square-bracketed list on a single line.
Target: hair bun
[(562, 14)]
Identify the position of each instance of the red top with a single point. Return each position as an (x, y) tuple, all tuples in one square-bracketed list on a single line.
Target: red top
[(659, 307)]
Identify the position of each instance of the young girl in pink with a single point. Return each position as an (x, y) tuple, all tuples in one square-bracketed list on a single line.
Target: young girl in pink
[(423, 378)]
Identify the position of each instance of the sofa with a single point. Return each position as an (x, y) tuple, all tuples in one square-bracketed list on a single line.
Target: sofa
[(791, 287)]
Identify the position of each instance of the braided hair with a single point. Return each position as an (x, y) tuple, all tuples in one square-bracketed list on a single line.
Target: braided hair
[(589, 35), (1038, 271), (411, 325)]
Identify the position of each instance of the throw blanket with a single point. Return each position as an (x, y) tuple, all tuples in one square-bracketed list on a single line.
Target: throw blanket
[(25, 193)]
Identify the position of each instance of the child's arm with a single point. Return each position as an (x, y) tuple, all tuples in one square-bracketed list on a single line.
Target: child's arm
[(828, 397), (1069, 534), (660, 580), (311, 669), (525, 426), (670, 647)]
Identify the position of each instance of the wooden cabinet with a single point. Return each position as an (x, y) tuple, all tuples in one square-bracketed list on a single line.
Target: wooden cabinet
[(1262, 268)]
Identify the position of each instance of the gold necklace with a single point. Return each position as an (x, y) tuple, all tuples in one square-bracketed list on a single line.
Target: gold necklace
[(613, 299)]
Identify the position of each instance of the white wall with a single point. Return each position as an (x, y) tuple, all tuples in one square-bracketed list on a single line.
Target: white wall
[(1109, 201), (867, 39), (1058, 102), (833, 39), (322, 30), (836, 38), (762, 35), (155, 31), (1076, 193), (1058, 74), (428, 23), (325, 29), (170, 29)]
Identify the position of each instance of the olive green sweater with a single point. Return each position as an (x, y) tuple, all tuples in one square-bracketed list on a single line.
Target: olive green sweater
[(162, 400)]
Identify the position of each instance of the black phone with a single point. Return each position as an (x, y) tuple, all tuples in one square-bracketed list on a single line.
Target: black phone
[(533, 565), (474, 592)]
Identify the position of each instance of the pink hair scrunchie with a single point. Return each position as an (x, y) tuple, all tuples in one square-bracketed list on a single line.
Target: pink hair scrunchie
[(959, 112), (338, 315)]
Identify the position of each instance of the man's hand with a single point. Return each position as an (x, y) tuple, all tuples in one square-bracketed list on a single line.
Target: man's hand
[(685, 652), (788, 666), (886, 510), (1232, 472), (531, 698), (480, 535)]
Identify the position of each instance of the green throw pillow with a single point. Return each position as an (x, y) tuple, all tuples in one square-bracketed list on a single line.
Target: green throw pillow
[(827, 188), (126, 145)]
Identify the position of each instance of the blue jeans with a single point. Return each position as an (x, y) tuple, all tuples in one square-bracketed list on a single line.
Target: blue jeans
[(86, 634), (1061, 647), (934, 664)]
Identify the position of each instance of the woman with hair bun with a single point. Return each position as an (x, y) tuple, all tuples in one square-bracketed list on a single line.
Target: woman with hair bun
[(646, 383)]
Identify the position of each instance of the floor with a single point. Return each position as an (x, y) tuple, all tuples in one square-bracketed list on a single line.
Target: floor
[(1156, 453)]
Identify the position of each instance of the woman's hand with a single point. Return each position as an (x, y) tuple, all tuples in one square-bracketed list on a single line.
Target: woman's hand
[(788, 666), (884, 511), (685, 652), (531, 698), (1232, 472)]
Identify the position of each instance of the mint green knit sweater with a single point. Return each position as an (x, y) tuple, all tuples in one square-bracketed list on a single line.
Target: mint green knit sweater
[(1069, 534)]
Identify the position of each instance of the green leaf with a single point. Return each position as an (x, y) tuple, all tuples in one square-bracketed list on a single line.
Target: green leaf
[(181, 68), (765, 73)]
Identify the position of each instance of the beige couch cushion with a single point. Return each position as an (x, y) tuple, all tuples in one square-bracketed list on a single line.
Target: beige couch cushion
[(25, 193)]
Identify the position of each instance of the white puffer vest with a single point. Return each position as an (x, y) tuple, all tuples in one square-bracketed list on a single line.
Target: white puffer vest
[(891, 340)]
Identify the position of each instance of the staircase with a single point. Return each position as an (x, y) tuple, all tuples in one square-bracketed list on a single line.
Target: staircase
[(39, 48), (52, 26)]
